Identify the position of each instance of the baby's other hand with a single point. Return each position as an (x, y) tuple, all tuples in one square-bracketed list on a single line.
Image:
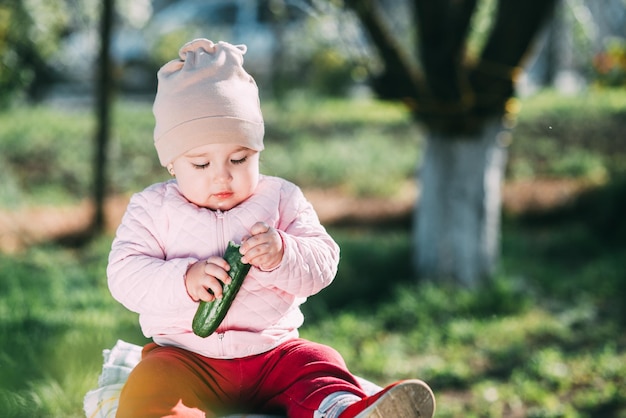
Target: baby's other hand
[(205, 277), (264, 249)]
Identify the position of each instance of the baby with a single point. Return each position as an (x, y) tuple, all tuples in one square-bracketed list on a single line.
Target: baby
[(167, 256)]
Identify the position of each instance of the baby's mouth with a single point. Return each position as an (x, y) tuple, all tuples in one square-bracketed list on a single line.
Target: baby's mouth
[(223, 195)]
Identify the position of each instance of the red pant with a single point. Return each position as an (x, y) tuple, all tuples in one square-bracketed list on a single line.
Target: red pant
[(293, 378)]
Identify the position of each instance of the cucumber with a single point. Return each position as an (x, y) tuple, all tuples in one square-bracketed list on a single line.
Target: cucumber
[(210, 315)]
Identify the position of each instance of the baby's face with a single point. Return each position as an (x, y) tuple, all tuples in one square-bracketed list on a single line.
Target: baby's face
[(217, 176)]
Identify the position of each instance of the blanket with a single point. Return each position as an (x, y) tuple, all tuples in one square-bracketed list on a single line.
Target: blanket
[(118, 363)]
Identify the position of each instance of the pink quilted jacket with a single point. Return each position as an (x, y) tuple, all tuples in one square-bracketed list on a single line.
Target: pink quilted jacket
[(161, 234)]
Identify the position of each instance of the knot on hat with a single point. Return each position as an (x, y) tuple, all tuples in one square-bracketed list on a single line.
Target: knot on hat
[(206, 97)]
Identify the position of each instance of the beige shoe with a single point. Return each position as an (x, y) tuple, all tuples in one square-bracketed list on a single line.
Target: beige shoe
[(403, 399)]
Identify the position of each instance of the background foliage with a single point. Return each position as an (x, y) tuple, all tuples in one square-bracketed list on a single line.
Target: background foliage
[(46, 152)]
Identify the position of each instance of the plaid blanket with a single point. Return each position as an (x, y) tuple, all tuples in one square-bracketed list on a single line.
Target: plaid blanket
[(118, 363)]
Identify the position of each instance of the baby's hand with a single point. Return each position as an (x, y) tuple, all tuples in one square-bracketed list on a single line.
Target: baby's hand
[(264, 249), (204, 279)]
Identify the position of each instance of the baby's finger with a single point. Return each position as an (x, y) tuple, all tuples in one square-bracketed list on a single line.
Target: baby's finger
[(218, 268), (204, 295), (259, 228), (218, 261), (213, 289)]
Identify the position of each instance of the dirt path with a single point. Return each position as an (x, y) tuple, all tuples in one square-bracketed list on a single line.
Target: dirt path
[(28, 226)]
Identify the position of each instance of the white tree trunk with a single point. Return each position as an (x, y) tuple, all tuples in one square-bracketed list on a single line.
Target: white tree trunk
[(456, 232)]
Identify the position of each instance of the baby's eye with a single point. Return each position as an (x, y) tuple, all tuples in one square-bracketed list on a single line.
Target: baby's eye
[(200, 166), (239, 161)]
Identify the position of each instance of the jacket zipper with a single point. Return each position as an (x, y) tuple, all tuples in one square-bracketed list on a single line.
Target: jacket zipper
[(220, 228), (220, 236)]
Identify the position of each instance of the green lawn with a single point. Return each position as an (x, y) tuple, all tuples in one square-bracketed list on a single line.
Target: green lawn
[(545, 339)]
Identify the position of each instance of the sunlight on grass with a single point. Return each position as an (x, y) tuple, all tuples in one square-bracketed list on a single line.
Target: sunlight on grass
[(59, 316), (570, 136), (361, 163), (304, 110), (498, 349), (593, 102), (363, 147)]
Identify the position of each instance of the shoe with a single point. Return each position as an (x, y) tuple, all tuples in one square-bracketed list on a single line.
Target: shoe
[(403, 399)]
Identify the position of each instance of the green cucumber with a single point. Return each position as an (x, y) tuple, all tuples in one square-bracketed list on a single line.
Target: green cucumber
[(211, 314)]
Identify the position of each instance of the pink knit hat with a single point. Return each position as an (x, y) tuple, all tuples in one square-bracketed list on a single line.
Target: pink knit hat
[(206, 97)]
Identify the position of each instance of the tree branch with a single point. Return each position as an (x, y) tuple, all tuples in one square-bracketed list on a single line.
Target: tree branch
[(516, 25), (442, 29), (401, 80)]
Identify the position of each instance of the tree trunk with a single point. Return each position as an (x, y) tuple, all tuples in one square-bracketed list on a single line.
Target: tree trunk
[(457, 220), (103, 111), (461, 103)]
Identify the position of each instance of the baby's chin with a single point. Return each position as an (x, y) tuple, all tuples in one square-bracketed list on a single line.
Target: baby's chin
[(224, 205)]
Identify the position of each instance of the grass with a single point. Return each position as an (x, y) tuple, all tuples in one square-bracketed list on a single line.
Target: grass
[(542, 341), (332, 149), (545, 339), (572, 137), (363, 148), (56, 319), (522, 346)]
